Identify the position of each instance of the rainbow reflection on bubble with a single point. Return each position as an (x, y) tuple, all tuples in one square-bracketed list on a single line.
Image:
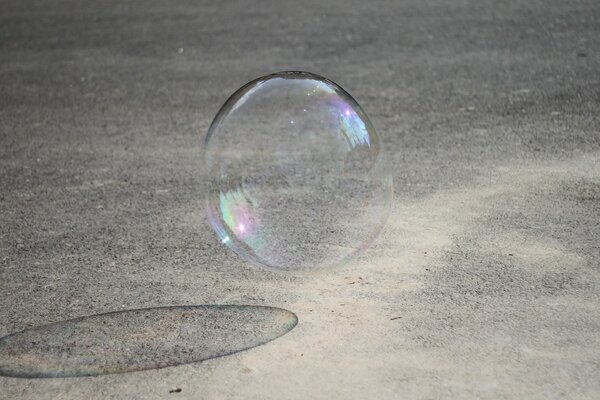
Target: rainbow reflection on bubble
[(352, 127), (237, 210)]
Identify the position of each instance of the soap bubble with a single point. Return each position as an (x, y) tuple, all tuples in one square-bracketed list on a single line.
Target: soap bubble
[(297, 175)]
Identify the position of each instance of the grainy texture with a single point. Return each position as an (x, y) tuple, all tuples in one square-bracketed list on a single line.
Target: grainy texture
[(138, 340), (485, 283)]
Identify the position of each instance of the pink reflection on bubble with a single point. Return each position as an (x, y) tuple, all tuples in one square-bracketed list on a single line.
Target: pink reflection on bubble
[(239, 215)]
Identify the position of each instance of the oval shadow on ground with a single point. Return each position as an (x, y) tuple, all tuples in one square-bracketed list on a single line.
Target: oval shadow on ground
[(136, 340)]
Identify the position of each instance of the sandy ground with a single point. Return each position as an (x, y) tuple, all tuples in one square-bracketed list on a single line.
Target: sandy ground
[(485, 283)]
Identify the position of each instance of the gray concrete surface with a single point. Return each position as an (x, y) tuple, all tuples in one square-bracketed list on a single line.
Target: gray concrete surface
[(486, 281)]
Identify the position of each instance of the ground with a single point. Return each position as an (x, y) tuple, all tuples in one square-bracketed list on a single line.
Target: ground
[(484, 284)]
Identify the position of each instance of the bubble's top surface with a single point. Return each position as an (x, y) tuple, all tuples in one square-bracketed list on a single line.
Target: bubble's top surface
[(297, 176)]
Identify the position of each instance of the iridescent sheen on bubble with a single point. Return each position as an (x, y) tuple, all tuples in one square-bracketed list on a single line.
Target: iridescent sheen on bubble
[(297, 175)]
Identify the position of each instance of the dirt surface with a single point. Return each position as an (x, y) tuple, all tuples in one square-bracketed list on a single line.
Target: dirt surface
[(485, 283)]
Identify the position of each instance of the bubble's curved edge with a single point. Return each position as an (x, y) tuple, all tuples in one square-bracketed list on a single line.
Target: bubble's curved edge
[(254, 262), (288, 74), (9, 373)]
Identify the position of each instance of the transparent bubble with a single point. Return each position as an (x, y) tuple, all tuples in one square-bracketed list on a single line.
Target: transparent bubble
[(297, 175)]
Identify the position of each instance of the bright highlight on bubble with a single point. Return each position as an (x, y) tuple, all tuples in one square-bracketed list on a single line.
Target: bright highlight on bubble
[(297, 175)]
